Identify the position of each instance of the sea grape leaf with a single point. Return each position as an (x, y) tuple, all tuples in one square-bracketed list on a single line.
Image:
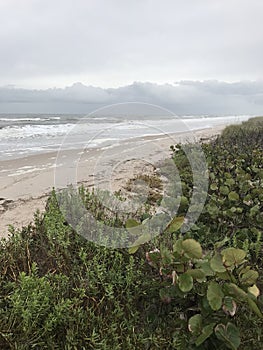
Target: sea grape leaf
[(212, 209), (175, 224), (253, 306), (141, 240), (233, 256), (230, 182), (198, 274), (204, 265), (179, 267), (206, 332), (224, 276), (192, 248), (224, 190), (233, 290), (233, 196), (229, 334), (177, 247), (215, 295), (195, 324), (185, 282), (216, 263), (250, 277)]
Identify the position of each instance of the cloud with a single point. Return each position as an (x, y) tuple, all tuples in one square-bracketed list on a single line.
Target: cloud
[(184, 97), (115, 42)]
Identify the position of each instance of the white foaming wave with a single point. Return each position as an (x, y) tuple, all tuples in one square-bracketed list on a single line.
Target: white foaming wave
[(96, 142), (20, 119), (28, 119), (13, 132), (21, 132), (131, 126)]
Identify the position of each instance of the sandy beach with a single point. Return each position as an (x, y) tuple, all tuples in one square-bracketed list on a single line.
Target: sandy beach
[(26, 182)]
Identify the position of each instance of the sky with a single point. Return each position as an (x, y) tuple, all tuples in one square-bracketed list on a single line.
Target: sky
[(182, 48)]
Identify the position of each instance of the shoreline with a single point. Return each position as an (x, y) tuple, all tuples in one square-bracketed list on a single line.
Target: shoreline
[(25, 183)]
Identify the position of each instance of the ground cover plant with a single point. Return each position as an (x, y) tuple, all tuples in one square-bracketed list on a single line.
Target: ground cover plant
[(201, 289)]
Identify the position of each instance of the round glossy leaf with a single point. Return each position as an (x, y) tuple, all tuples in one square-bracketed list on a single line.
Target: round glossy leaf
[(206, 332), (197, 274), (195, 324), (229, 334), (250, 277), (215, 295), (233, 256), (216, 263), (192, 248), (185, 282)]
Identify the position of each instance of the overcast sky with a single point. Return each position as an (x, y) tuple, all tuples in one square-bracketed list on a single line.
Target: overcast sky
[(112, 43)]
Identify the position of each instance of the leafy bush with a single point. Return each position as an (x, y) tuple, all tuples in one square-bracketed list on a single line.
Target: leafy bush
[(60, 291), (210, 287), (231, 219)]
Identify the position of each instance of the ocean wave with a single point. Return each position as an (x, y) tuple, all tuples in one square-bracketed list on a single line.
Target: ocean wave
[(12, 132), (27, 119), (31, 137)]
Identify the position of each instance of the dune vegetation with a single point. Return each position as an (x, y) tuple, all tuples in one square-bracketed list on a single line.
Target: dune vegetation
[(201, 289)]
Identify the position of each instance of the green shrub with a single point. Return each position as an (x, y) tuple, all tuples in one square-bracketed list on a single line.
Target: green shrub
[(61, 291), (211, 287)]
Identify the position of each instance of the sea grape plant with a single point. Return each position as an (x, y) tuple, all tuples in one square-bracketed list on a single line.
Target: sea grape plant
[(211, 285)]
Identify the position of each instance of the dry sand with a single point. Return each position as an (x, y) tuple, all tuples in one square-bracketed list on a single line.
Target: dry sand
[(26, 182)]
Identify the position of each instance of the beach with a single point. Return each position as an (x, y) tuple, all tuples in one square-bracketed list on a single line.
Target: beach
[(25, 183)]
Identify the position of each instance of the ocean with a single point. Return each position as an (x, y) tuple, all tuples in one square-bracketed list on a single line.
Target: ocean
[(28, 134)]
